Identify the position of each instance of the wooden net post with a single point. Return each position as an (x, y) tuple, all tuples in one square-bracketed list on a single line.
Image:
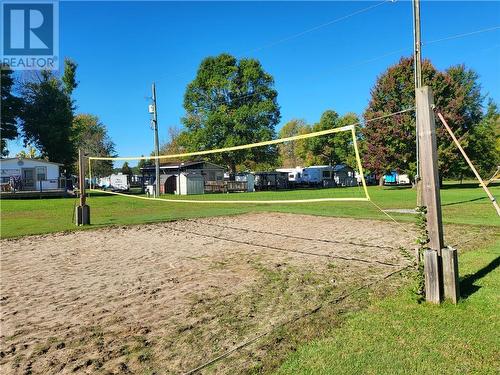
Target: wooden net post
[(430, 194)]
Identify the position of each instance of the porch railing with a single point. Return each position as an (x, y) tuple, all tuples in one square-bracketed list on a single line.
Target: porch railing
[(26, 184)]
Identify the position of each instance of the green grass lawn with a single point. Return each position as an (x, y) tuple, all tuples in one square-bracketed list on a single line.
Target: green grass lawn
[(398, 336), (462, 204)]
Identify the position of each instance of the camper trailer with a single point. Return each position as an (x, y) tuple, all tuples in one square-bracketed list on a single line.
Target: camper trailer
[(295, 175), (115, 182), (318, 175), (329, 176)]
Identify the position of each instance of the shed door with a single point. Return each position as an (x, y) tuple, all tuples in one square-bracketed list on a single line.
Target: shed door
[(171, 185)]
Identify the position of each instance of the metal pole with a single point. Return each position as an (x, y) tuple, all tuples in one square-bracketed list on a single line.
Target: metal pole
[(417, 63), (157, 145)]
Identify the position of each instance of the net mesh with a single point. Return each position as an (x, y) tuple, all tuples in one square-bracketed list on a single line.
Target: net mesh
[(313, 167)]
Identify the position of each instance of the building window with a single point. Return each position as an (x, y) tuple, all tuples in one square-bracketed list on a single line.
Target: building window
[(41, 173)]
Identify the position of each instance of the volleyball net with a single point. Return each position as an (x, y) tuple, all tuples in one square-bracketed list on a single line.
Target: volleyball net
[(316, 166)]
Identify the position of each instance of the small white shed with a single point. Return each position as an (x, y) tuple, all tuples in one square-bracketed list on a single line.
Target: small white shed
[(190, 183)]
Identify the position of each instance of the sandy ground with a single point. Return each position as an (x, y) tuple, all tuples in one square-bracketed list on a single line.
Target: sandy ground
[(164, 298)]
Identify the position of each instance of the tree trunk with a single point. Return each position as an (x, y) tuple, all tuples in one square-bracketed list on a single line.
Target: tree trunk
[(381, 180), (232, 170)]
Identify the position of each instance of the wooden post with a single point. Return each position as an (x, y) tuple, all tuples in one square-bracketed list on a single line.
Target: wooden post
[(81, 177), (432, 276), (82, 211), (450, 274), (430, 192)]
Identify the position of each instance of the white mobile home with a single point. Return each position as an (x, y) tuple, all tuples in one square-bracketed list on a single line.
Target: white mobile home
[(30, 174)]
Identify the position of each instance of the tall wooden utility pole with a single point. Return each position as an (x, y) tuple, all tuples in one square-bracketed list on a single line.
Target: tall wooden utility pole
[(440, 263), (157, 145), (417, 62), (82, 211)]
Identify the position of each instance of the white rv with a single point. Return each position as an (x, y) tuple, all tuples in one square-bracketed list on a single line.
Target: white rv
[(295, 175), (329, 176), (318, 175), (115, 182)]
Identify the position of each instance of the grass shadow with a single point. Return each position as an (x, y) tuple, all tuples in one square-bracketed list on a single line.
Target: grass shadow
[(467, 287), (465, 201), (465, 185)]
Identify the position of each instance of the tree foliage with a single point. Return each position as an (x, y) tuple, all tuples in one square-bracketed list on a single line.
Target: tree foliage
[(91, 135), (390, 143), (30, 153), (11, 109), (47, 116), (126, 169), (331, 149), (293, 154), (143, 163), (176, 143), (230, 103), (484, 143)]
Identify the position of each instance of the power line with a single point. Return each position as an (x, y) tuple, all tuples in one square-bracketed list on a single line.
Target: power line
[(458, 36), (378, 57), (301, 33), (315, 28)]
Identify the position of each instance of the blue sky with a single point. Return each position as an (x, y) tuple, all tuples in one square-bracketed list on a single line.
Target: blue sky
[(122, 47)]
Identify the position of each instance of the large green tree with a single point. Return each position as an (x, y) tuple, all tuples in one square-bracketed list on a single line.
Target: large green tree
[(484, 143), (293, 154), (390, 142), (335, 148), (231, 102), (91, 135), (47, 115), (10, 109)]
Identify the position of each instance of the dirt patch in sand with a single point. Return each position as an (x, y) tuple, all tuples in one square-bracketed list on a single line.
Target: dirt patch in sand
[(164, 298)]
